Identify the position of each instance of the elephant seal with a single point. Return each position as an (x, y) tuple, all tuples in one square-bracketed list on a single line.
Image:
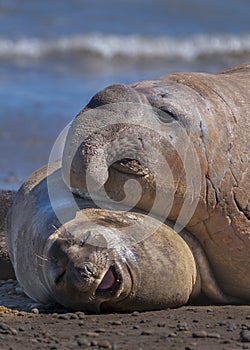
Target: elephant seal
[(95, 260), (196, 123), (88, 263)]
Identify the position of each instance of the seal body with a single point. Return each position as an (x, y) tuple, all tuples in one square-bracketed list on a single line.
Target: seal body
[(212, 111), (64, 249), (6, 269)]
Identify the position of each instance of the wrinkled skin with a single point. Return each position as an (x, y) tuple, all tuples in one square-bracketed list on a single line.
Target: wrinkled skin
[(213, 110)]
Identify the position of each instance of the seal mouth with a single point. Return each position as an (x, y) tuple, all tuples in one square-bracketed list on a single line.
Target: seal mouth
[(130, 166), (110, 283)]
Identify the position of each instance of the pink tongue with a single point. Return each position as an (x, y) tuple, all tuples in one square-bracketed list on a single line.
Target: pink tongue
[(107, 281)]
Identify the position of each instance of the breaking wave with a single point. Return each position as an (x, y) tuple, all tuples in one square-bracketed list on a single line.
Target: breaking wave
[(131, 46)]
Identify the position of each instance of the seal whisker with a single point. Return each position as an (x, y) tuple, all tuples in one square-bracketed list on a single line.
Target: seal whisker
[(45, 258)]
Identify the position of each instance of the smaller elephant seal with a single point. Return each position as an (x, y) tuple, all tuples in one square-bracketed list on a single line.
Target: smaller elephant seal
[(91, 262), (55, 262)]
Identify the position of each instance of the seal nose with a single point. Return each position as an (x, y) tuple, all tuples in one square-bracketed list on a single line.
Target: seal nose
[(85, 272), (82, 273), (85, 169), (96, 172)]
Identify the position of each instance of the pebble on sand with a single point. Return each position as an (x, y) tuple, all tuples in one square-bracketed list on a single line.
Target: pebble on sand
[(245, 336)]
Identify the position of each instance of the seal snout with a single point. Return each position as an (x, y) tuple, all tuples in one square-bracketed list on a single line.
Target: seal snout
[(96, 171), (86, 271), (82, 273)]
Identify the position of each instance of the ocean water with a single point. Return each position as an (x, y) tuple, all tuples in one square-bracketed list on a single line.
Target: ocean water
[(54, 55)]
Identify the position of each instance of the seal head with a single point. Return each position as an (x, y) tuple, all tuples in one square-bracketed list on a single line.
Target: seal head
[(84, 277)]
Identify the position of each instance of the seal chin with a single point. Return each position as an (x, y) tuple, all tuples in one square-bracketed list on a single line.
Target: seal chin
[(113, 287)]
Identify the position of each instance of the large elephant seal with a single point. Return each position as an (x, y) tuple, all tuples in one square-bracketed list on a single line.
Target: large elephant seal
[(90, 263), (118, 134)]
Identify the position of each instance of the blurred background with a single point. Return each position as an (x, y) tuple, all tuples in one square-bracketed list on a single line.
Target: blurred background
[(54, 55)]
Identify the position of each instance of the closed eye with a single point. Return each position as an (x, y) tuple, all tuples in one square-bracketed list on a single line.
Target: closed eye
[(60, 276), (76, 241), (84, 239), (166, 115)]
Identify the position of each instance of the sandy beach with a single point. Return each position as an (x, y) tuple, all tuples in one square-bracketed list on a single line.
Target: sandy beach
[(28, 325)]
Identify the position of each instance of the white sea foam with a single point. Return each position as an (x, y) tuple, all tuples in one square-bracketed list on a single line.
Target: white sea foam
[(133, 46)]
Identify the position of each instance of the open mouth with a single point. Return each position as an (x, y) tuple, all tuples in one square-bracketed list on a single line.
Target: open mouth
[(110, 283), (130, 166)]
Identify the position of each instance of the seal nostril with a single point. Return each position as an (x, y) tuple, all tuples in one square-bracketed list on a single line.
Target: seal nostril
[(130, 166), (88, 270), (85, 272)]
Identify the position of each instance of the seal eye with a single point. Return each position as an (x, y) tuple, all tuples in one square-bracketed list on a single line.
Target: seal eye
[(84, 239), (59, 278), (166, 115)]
